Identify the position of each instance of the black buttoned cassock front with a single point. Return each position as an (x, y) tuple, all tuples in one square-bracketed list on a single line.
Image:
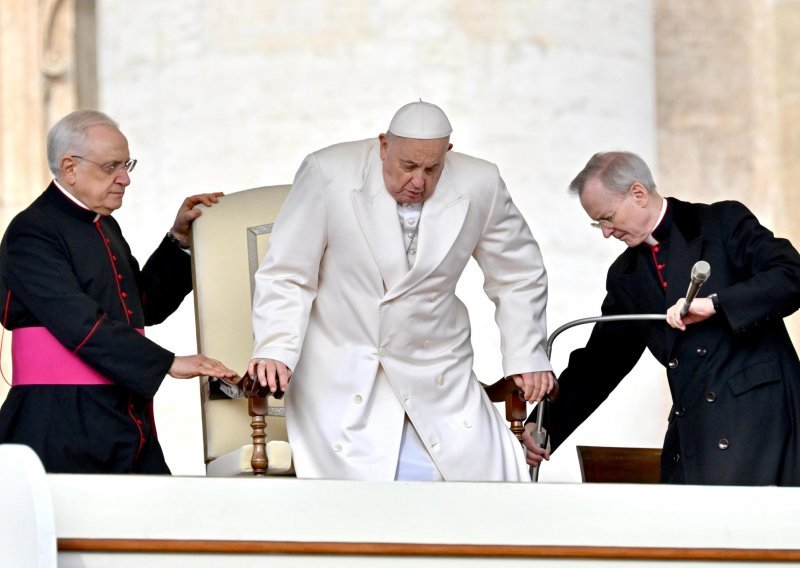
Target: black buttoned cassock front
[(734, 378), (62, 269)]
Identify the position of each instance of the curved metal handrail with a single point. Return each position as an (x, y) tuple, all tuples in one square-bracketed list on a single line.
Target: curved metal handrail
[(539, 435), (595, 319)]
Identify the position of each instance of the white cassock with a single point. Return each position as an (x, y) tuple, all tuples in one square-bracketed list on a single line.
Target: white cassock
[(372, 341), (414, 462)]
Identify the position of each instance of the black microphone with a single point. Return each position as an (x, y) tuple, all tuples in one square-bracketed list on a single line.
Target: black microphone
[(700, 273)]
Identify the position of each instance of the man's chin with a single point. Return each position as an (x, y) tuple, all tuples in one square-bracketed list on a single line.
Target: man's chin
[(415, 197), (411, 200), (630, 241), (112, 204)]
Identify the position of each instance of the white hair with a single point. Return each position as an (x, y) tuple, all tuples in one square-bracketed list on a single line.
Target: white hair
[(617, 171), (68, 135)]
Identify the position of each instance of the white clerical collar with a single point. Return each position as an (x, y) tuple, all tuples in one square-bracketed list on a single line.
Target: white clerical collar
[(74, 199), (402, 208), (651, 240)]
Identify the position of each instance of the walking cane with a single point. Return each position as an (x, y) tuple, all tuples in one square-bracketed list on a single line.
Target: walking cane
[(540, 434)]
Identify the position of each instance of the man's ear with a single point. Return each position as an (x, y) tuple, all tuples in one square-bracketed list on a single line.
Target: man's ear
[(384, 144), (640, 194), (67, 169), (449, 147)]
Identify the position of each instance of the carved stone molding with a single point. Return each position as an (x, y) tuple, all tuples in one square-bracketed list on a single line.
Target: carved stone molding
[(47, 69), (68, 61)]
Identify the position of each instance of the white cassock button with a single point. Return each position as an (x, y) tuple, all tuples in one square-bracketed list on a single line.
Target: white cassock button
[(337, 447), (357, 399), (410, 235), (412, 251), (440, 380), (412, 221), (467, 424)]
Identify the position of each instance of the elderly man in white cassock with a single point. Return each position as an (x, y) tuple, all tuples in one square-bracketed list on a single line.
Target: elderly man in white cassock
[(355, 305)]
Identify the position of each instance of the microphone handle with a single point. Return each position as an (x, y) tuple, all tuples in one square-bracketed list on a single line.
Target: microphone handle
[(694, 288)]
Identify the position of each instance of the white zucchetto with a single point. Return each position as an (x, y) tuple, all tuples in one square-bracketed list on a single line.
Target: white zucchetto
[(420, 120)]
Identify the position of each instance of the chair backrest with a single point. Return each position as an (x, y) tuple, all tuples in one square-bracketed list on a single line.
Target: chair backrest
[(619, 465), (228, 242)]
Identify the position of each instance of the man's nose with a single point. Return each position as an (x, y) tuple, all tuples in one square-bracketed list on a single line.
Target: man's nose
[(123, 178), (607, 231), (417, 181)]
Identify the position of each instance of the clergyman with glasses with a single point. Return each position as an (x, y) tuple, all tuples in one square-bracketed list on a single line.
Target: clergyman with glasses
[(733, 373), (77, 302)]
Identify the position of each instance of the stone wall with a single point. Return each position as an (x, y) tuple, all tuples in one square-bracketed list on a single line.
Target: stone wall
[(787, 97), (728, 88), (229, 95)]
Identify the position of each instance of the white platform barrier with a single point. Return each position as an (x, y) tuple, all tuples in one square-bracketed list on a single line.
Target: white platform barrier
[(185, 521), (27, 526)]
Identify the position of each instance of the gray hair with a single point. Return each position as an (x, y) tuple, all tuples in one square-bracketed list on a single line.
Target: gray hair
[(68, 135), (617, 171)]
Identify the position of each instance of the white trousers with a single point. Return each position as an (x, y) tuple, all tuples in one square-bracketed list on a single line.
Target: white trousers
[(414, 462)]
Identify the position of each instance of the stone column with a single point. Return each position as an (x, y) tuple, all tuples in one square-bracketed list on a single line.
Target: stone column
[(47, 69), (728, 106), (787, 58), (22, 165)]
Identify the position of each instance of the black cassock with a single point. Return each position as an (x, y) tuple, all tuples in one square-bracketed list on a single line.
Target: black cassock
[(68, 271), (734, 378)]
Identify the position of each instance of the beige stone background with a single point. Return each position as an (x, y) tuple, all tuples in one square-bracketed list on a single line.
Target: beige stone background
[(228, 94)]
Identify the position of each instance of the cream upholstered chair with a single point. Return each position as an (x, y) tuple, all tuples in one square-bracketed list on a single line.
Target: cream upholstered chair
[(228, 242)]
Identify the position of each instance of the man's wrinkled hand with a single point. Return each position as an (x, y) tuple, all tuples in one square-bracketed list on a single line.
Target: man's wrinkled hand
[(188, 212), (534, 385), (270, 373), (534, 453), (700, 309), (188, 366)]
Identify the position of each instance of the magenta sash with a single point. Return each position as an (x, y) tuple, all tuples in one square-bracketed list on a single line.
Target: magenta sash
[(38, 358)]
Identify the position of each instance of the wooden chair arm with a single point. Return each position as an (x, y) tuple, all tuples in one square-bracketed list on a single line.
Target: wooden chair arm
[(497, 392), (506, 390), (257, 407)]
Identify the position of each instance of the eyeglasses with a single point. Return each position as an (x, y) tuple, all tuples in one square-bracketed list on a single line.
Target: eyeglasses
[(111, 168), (607, 222)]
